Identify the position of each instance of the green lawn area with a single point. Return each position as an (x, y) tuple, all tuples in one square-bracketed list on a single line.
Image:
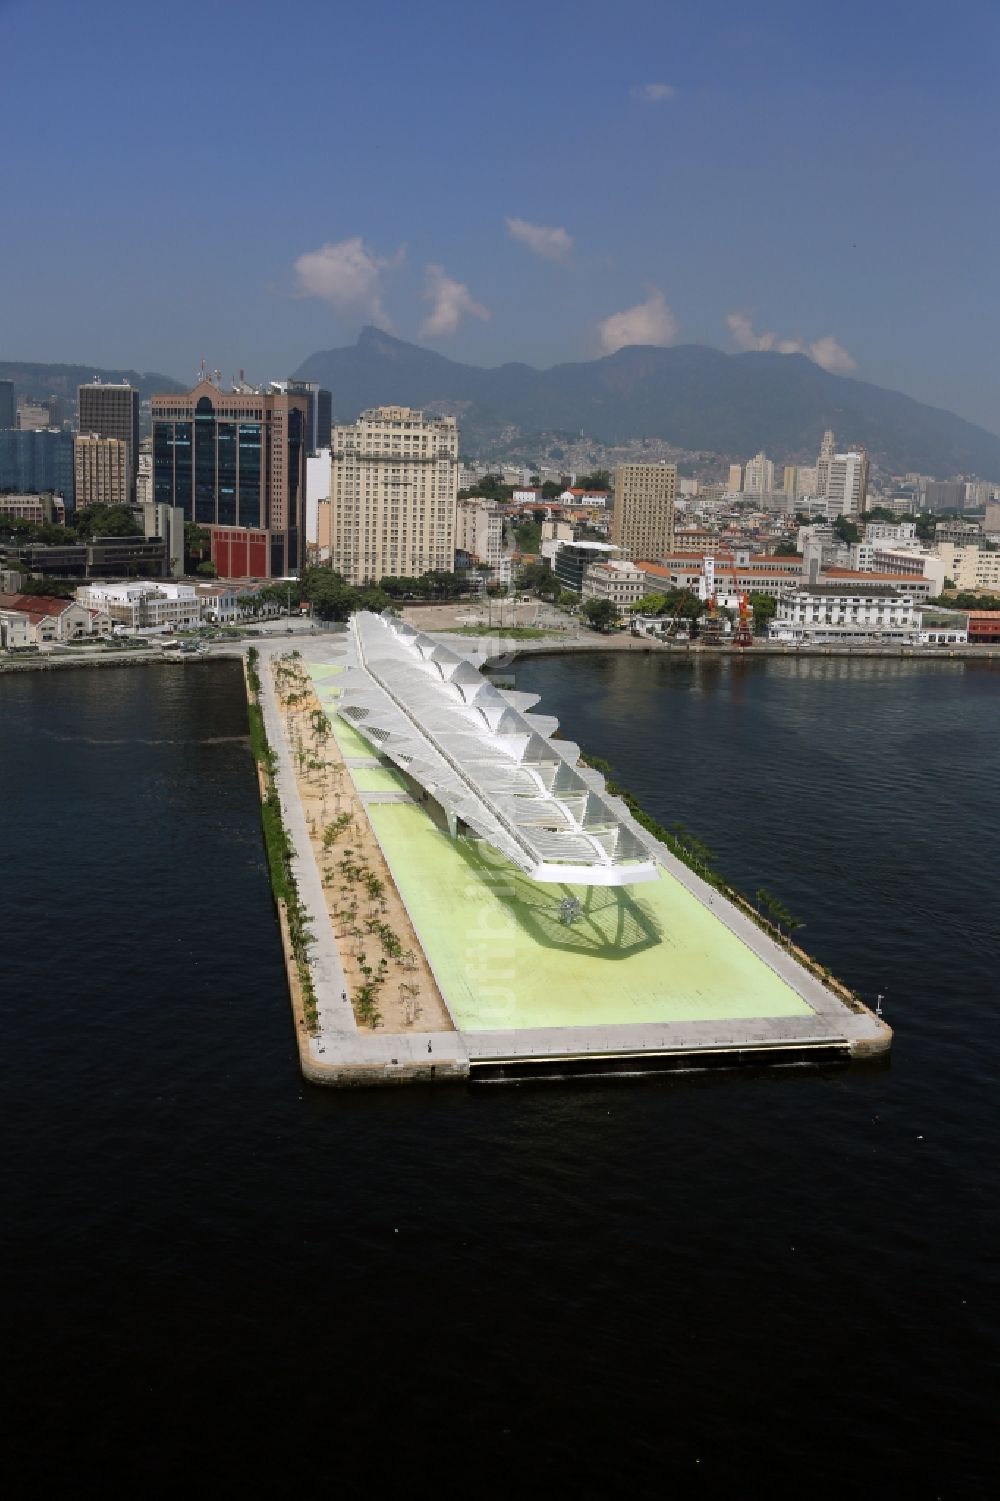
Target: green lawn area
[(648, 953)]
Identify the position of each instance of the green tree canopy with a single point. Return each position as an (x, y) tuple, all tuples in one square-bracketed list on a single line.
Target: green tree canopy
[(651, 604), (599, 613), (846, 529), (764, 607), (528, 536), (105, 521)]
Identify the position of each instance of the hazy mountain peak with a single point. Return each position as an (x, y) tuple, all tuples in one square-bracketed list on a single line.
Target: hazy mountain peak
[(690, 395)]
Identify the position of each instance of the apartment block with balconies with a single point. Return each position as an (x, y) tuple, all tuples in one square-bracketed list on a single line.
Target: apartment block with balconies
[(393, 495)]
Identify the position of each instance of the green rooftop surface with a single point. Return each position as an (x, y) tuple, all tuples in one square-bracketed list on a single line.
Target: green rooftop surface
[(503, 958)]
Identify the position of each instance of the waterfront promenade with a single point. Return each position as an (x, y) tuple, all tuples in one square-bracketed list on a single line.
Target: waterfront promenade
[(339, 1052)]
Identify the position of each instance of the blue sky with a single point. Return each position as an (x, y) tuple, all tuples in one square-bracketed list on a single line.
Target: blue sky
[(535, 181)]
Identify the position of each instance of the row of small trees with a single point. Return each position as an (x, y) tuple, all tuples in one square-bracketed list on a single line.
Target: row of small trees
[(278, 848), (361, 892)]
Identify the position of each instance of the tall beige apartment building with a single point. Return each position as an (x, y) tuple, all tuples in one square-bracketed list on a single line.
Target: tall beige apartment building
[(112, 411), (393, 495), (642, 524), (101, 471)]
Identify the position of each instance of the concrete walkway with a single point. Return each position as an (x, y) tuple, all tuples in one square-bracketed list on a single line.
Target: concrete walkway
[(340, 1051), (333, 1002)]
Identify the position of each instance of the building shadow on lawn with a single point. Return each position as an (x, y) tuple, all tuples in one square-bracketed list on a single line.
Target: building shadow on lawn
[(607, 922)]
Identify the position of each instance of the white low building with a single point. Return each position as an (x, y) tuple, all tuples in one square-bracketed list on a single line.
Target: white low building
[(943, 628), (143, 604), (907, 558), (220, 603), (833, 612), (44, 620), (617, 580)]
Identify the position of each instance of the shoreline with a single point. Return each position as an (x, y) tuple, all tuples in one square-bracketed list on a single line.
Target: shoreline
[(497, 649), (511, 647)]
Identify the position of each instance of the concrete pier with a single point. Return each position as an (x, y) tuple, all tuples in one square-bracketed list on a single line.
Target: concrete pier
[(667, 975)]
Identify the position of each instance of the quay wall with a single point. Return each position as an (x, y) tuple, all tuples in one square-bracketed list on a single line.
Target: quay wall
[(511, 647)]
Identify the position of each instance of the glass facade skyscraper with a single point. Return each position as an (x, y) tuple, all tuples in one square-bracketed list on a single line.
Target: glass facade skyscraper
[(234, 462), (38, 461), (8, 406)]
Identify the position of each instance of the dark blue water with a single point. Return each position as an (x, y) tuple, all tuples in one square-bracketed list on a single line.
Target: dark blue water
[(217, 1277)]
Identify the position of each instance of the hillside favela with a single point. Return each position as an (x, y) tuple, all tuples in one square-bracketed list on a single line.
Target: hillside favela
[(498, 718)]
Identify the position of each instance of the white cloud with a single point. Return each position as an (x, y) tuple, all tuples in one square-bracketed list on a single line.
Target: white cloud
[(743, 334), (348, 275), (649, 322), (552, 243), (826, 351), (653, 93), (450, 302), (831, 355)]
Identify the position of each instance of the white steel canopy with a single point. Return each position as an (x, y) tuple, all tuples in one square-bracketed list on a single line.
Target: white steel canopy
[(486, 760)]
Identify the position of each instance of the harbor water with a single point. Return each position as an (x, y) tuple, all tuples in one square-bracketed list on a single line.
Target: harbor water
[(758, 1283)]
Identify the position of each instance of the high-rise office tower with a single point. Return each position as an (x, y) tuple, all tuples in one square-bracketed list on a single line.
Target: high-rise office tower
[(112, 411), (322, 429), (319, 411), (393, 493), (8, 407), (100, 467), (235, 462), (759, 475), (826, 451), (842, 477), (847, 481), (642, 523), (735, 482)]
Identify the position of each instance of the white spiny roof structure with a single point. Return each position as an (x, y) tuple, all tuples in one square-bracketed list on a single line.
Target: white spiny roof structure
[(485, 759)]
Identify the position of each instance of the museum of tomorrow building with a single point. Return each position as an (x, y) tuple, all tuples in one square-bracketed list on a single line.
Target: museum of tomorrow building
[(492, 766)]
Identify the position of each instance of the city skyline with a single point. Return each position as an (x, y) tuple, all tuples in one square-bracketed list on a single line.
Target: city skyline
[(545, 194)]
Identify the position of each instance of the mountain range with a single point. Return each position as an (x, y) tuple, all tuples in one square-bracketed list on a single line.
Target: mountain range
[(691, 396), (38, 381)]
